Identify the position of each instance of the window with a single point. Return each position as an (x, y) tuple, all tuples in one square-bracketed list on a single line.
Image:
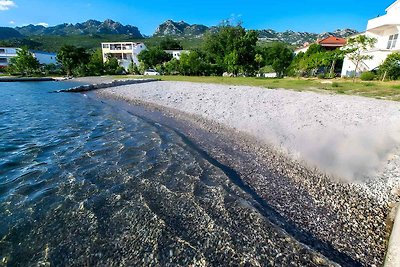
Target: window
[(3, 60), (106, 46), (2, 51), (392, 41), (116, 47)]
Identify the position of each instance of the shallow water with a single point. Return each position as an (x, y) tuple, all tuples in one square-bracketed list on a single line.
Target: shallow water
[(85, 183)]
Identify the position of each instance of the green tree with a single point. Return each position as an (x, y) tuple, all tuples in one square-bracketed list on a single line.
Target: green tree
[(50, 69), (314, 49), (259, 59), (191, 63), (231, 62), (334, 57), (96, 64), (315, 58), (168, 43), (279, 56), (133, 68), (24, 63), (72, 57), (153, 57), (172, 67), (390, 68), (356, 48), (229, 42), (112, 67)]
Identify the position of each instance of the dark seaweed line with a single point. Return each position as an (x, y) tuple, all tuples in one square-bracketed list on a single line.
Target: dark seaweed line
[(302, 236), (271, 214)]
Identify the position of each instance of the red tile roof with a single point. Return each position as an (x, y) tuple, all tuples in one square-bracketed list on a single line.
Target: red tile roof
[(332, 40)]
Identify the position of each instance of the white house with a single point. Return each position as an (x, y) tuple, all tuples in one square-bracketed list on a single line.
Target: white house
[(177, 53), (45, 57), (125, 52), (386, 30), (6, 53)]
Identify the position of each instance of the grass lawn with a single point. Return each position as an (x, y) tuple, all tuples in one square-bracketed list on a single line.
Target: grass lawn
[(374, 89)]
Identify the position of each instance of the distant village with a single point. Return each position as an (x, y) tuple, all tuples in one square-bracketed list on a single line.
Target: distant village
[(383, 29)]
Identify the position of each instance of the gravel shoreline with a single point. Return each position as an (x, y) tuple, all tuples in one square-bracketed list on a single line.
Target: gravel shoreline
[(350, 214), (353, 138)]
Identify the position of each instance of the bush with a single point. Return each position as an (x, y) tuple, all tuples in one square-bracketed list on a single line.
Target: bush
[(367, 76), (321, 76), (390, 69), (133, 69)]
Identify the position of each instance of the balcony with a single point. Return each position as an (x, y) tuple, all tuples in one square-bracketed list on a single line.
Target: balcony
[(385, 22)]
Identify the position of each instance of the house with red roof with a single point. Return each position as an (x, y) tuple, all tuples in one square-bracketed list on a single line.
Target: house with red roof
[(329, 43), (332, 42)]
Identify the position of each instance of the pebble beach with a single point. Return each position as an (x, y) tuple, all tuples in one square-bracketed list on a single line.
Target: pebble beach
[(329, 165)]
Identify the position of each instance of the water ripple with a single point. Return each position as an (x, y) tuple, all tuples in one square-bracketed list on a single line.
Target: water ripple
[(82, 183)]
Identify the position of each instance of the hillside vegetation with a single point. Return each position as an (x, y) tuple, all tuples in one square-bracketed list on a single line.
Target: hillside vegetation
[(91, 33), (7, 33)]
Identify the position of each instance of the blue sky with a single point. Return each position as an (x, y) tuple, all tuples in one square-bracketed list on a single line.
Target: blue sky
[(306, 15)]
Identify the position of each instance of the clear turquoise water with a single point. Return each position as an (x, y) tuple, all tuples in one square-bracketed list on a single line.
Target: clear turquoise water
[(63, 157), (83, 183)]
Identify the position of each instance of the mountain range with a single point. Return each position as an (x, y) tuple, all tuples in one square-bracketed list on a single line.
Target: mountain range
[(86, 28), (181, 29), (8, 33)]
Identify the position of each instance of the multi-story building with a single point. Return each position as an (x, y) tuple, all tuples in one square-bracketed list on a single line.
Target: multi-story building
[(386, 31), (6, 53), (125, 52)]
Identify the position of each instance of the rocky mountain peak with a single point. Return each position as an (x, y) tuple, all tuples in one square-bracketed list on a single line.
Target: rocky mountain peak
[(89, 27), (181, 28)]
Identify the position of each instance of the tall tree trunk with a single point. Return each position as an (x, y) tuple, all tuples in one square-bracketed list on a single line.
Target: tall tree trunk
[(332, 72), (355, 71), (384, 76)]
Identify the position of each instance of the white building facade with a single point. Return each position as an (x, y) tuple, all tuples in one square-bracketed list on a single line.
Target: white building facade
[(177, 53), (45, 57), (125, 52), (386, 30), (6, 53)]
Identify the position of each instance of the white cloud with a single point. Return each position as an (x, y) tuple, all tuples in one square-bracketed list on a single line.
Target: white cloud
[(6, 4), (11, 22), (44, 24)]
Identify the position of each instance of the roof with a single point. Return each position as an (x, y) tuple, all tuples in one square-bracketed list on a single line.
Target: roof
[(6, 47), (393, 5), (177, 50), (332, 40), (129, 43), (43, 52)]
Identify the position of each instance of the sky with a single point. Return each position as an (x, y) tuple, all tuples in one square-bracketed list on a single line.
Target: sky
[(306, 15)]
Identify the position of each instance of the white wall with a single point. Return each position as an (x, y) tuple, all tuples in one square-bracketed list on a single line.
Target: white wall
[(176, 53), (129, 55), (136, 51), (5, 54), (380, 28), (45, 58), (42, 57)]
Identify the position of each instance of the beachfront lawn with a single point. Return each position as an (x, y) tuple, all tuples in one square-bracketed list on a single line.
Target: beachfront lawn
[(374, 89)]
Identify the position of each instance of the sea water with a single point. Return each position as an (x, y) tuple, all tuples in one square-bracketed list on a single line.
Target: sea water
[(83, 183)]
